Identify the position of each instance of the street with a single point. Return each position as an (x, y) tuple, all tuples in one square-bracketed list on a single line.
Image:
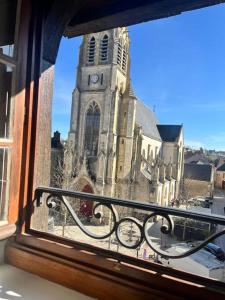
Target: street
[(218, 208)]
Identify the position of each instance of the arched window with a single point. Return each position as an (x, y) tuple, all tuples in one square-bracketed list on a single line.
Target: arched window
[(165, 194), (119, 54), (91, 50), (92, 129), (124, 61), (104, 48), (143, 153)]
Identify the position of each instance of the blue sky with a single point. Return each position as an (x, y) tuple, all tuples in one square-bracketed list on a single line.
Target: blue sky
[(177, 66)]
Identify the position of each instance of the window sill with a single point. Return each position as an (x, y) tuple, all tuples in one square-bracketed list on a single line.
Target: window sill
[(6, 230), (71, 267), (36, 288)]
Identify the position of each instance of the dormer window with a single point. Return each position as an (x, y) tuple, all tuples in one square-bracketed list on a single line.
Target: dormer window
[(104, 48), (91, 50)]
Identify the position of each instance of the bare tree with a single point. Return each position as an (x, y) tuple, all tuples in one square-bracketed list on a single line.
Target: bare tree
[(61, 177), (185, 191)]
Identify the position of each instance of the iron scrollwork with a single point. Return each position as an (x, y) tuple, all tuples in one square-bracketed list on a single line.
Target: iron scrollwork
[(162, 215)]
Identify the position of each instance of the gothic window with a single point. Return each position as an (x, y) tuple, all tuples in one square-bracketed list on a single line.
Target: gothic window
[(152, 154), (165, 194), (102, 79), (92, 129), (143, 153), (91, 50), (148, 156), (119, 54), (104, 48), (124, 61)]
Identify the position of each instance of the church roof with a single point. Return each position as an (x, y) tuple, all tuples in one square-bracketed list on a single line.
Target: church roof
[(169, 133), (146, 118)]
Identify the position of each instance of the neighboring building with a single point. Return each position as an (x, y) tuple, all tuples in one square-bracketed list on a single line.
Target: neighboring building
[(219, 162), (197, 158), (119, 148), (220, 177), (198, 180), (57, 171)]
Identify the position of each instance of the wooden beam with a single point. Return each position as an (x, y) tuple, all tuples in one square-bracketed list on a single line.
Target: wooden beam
[(102, 16)]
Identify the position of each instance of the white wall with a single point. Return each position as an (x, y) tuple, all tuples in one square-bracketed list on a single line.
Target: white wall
[(155, 147)]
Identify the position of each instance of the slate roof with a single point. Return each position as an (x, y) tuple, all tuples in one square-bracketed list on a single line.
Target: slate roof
[(198, 172), (146, 118), (169, 133), (196, 158), (221, 168)]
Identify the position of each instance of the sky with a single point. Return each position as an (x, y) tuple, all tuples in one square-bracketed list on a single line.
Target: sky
[(177, 69)]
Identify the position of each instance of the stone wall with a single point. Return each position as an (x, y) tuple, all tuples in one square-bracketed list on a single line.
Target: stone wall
[(194, 188), (219, 178)]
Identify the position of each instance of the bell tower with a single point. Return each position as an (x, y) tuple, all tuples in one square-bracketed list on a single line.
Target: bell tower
[(102, 78)]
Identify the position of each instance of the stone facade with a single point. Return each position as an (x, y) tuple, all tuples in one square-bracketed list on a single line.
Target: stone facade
[(117, 147), (220, 177)]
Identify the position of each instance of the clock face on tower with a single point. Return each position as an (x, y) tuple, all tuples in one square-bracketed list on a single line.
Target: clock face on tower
[(94, 78)]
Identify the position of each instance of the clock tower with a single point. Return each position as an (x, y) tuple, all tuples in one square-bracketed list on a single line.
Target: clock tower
[(97, 107)]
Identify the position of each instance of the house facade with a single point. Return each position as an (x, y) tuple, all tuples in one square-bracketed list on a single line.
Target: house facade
[(220, 177)]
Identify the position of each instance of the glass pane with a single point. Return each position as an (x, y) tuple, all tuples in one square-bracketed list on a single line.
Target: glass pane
[(5, 95), (7, 28), (121, 150), (3, 182)]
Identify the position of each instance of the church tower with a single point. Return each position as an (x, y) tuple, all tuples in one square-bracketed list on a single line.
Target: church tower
[(99, 115)]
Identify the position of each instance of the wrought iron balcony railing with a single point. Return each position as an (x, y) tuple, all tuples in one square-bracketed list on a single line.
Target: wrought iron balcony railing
[(131, 224)]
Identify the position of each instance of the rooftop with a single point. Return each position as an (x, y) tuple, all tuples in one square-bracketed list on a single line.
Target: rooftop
[(146, 118), (198, 172), (221, 168), (169, 133)]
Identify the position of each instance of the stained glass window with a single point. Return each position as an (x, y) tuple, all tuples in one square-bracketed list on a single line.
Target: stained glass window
[(92, 129)]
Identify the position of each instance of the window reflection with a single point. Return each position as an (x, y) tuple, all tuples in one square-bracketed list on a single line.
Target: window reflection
[(5, 95), (3, 182), (7, 28)]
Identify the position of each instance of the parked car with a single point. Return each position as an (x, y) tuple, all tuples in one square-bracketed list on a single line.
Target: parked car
[(215, 250), (209, 200), (200, 201)]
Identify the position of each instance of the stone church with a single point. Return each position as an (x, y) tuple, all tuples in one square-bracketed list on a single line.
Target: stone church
[(117, 147)]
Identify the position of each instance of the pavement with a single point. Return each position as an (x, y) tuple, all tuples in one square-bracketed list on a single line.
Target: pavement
[(218, 208)]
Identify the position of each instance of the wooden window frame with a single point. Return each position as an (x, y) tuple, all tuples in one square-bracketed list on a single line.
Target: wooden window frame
[(11, 143), (71, 261)]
